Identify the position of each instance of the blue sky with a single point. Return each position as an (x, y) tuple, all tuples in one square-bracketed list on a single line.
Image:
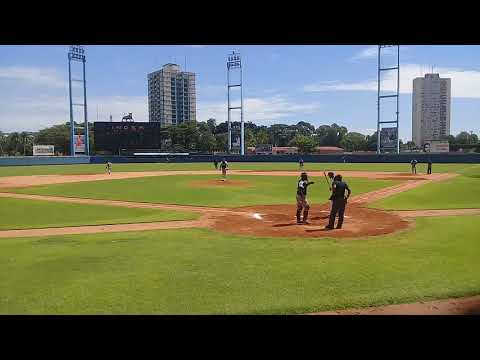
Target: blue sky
[(282, 84)]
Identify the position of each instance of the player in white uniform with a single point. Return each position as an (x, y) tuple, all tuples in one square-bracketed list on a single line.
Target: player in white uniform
[(109, 167), (302, 203), (224, 167)]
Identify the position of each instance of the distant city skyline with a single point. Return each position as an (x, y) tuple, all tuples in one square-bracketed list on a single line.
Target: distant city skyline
[(282, 84)]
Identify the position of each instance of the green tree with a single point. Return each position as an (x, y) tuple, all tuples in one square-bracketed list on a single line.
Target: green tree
[(305, 144), (372, 142), (212, 125), (463, 138), (57, 135), (261, 138), (250, 139), (305, 128), (221, 142), (354, 141)]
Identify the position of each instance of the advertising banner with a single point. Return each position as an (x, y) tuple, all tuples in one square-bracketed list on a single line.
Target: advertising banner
[(388, 138), (436, 146), (43, 150), (79, 143)]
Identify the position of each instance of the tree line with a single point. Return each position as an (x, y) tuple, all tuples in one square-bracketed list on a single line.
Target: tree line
[(208, 137)]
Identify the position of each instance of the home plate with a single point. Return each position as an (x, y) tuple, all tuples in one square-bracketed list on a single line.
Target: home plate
[(257, 216)]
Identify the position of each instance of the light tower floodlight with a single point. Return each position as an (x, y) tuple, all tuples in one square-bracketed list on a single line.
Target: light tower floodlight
[(390, 137), (77, 53), (234, 64)]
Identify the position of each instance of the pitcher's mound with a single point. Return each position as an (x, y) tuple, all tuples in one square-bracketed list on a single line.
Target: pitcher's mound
[(279, 221), (219, 182)]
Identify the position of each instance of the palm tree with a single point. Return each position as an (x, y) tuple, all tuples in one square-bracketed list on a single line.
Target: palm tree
[(23, 139)]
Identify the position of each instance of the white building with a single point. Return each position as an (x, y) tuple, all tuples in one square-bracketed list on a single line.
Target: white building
[(430, 108), (171, 96)]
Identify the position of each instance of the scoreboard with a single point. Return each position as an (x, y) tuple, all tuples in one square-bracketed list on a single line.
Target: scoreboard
[(112, 137)]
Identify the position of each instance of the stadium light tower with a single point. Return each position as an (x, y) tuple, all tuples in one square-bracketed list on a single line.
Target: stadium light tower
[(389, 137), (234, 64), (77, 53)]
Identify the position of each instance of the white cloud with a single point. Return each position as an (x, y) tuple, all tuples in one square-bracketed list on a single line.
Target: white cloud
[(365, 131), (262, 111), (49, 77), (370, 52), (341, 86), (34, 113), (465, 83)]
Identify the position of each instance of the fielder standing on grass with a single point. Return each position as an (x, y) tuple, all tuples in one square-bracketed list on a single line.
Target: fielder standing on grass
[(109, 167), (429, 168), (339, 202), (300, 164), (302, 203), (224, 168)]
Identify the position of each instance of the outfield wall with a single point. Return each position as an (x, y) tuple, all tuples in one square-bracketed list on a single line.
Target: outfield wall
[(330, 158), (43, 160)]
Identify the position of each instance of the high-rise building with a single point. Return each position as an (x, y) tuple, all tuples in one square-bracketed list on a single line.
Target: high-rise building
[(171, 96), (430, 108)]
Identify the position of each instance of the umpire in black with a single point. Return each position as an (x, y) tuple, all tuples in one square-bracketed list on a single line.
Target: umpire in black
[(339, 202)]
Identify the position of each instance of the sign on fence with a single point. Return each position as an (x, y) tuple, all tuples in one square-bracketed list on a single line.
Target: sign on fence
[(79, 143), (436, 146), (388, 138), (43, 150)]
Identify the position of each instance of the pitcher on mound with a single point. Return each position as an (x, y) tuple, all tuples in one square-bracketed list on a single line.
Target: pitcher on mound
[(302, 203), (224, 167)]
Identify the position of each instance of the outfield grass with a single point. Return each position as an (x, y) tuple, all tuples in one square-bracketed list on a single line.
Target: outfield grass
[(100, 168), (177, 189), (203, 272), (31, 214), (461, 192)]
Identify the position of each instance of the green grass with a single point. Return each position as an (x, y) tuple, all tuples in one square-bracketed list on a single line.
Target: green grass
[(100, 168), (203, 272), (28, 214), (461, 192), (178, 190)]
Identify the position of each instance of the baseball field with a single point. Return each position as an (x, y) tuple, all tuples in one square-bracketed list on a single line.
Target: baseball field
[(176, 239)]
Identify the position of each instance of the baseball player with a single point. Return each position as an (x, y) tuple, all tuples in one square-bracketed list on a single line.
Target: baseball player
[(339, 202), (224, 167), (109, 167), (300, 163), (331, 176), (215, 163), (302, 203), (413, 163)]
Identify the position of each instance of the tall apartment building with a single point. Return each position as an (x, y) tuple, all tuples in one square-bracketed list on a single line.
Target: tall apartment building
[(171, 96), (430, 108)]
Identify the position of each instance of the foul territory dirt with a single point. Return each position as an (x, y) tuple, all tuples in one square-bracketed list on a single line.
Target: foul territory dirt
[(459, 306)]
